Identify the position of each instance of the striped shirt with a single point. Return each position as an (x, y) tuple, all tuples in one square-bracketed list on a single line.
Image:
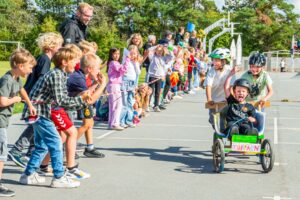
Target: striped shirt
[(51, 90)]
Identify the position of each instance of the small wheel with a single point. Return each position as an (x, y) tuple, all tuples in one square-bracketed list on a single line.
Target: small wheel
[(267, 159), (218, 156)]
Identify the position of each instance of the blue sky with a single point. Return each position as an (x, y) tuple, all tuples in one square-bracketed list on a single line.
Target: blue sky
[(296, 3)]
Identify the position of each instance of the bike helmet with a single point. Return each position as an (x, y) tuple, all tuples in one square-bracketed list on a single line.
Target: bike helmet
[(257, 59), (242, 83), (221, 53)]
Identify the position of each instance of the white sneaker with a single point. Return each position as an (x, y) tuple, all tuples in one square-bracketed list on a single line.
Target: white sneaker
[(117, 128), (32, 179), (77, 174), (64, 182), (192, 92), (156, 109), (177, 97)]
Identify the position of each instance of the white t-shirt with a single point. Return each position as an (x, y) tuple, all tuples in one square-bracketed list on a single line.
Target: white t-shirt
[(216, 79)]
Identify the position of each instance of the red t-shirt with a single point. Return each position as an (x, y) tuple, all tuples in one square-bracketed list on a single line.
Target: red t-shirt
[(192, 61)]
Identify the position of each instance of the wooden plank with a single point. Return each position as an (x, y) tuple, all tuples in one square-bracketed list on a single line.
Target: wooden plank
[(219, 105)]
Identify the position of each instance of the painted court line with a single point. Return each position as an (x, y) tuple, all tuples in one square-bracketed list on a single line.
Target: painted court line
[(275, 131), (158, 139), (104, 135), (177, 125), (185, 116)]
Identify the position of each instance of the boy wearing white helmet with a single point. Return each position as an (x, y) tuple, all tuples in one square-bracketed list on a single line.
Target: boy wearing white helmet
[(216, 78), (260, 80)]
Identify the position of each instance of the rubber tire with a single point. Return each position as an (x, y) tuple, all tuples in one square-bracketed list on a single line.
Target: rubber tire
[(218, 156), (267, 166)]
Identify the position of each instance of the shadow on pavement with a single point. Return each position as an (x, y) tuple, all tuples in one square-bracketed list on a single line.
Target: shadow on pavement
[(194, 161)]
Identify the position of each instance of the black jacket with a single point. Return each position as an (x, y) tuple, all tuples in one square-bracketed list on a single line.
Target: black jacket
[(73, 31)]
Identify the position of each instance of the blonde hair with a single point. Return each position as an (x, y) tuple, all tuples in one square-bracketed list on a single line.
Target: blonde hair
[(160, 48), (74, 48), (194, 33), (84, 6), (49, 40), (131, 47), (64, 54), (186, 35), (95, 46), (129, 41), (89, 60), (86, 47), (21, 56)]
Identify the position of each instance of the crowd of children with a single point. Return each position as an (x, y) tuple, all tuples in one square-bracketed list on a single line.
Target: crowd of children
[(173, 69)]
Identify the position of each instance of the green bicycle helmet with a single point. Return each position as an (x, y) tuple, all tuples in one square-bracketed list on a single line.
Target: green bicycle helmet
[(221, 53)]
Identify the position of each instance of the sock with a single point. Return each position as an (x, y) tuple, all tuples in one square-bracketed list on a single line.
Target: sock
[(43, 166), (90, 146), (71, 168)]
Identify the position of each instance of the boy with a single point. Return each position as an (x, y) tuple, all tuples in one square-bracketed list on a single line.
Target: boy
[(51, 90), (21, 62), (216, 77), (260, 80), (49, 43), (239, 114), (90, 68)]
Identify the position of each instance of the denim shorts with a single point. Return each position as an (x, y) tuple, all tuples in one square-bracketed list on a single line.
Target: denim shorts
[(3, 145)]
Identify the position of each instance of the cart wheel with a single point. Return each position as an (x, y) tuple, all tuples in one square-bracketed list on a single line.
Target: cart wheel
[(218, 156), (267, 160)]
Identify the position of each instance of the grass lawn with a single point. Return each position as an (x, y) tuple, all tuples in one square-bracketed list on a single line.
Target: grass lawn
[(18, 108)]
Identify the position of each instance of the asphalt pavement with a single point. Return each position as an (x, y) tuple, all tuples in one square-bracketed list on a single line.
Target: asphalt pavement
[(168, 157)]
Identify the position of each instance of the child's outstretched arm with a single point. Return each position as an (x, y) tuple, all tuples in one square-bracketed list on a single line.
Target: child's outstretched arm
[(227, 88), (268, 96), (25, 97), (99, 91)]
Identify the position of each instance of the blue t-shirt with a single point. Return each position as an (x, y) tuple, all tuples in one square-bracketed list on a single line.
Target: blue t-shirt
[(76, 83)]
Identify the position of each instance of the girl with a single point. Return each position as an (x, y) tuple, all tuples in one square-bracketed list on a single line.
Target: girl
[(116, 72), (157, 71), (130, 81)]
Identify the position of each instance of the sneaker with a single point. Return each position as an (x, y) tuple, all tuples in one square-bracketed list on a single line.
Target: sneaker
[(192, 92), (166, 101), (94, 153), (162, 107), (5, 192), (124, 125), (32, 179), (77, 174), (64, 182), (16, 157), (117, 128), (156, 109), (147, 109), (45, 171), (177, 97), (131, 125)]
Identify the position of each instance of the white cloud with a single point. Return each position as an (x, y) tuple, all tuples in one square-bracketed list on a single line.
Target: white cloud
[(296, 3)]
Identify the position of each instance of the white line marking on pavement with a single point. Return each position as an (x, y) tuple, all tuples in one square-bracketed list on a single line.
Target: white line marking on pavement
[(185, 116), (275, 131), (278, 164), (177, 125), (159, 139), (290, 143), (104, 135), (277, 198)]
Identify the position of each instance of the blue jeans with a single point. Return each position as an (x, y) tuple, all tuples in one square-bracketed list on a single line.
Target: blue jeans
[(128, 87), (46, 138), (196, 77)]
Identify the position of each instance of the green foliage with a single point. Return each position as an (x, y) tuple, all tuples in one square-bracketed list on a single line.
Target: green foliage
[(265, 25)]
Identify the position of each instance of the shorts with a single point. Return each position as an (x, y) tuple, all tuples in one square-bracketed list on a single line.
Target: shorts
[(3, 145), (61, 119)]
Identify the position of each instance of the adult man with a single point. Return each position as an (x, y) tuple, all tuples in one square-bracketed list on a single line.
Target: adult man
[(74, 29)]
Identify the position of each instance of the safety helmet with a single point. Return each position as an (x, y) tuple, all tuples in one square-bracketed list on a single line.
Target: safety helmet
[(257, 59), (221, 53), (242, 83)]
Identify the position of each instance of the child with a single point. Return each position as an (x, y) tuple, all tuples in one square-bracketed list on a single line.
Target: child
[(21, 62), (260, 80), (76, 84), (49, 43), (51, 89), (191, 67), (157, 72), (129, 83), (240, 114), (115, 73), (216, 77)]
